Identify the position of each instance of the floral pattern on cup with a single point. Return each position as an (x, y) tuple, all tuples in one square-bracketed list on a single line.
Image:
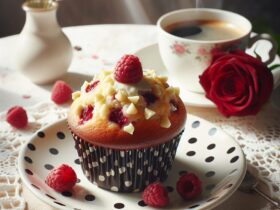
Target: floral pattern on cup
[(180, 48), (203, 55)]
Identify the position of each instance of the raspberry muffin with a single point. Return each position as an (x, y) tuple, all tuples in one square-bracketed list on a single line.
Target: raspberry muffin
[(126, 124)]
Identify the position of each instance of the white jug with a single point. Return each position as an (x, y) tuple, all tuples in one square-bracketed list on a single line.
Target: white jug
[(43, 52)]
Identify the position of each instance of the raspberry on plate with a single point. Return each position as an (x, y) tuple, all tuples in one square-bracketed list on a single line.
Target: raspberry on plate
[(62, 178), (189, 186), (17, 117), (128, 70), (156, 195), (61, 92)]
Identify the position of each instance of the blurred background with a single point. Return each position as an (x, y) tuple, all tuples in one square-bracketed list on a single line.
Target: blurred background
[(264, 14)]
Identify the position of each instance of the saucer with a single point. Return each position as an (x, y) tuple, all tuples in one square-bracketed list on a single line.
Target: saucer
[(150, 59), (204, 149)]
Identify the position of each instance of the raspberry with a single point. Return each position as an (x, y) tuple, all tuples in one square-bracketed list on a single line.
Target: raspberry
[(92, 86), (86, 114), (149, 97), (156, 195), (17, 117), (128, 70), (62, 178), (61, 92), (117, 116), (189, 186)]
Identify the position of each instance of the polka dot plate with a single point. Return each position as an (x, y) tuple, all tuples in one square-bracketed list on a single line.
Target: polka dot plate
[(204, 149)]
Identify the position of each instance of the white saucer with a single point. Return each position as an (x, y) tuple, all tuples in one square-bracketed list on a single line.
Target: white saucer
[(150, 59), (204, 149)]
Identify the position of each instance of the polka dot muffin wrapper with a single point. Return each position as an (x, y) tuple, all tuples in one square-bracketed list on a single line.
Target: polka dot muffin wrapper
[(126, 170)]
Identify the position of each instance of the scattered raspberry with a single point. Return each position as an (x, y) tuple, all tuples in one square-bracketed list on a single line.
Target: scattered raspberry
[(149, 97), (92, 86), (117, 116), (86, 114), (17, 117), (156, 195), (62, 178), (61, 92), (189, 186), (128, 70)]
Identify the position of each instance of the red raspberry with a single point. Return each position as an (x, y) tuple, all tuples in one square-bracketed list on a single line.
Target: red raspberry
[(117, 116), (128, 70), (189, 186), (92, 86), (17, 117), (86, 114), (62, 178), (156, 195), (61, 92)]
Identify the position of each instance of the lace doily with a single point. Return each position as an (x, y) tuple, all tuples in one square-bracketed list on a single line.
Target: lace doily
[(11, 141), (259, 137)]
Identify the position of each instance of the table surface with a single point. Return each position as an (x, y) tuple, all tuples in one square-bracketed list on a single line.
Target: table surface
[(101, 46)]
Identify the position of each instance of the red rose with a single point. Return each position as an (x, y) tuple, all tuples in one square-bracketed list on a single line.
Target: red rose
[(237, 83)]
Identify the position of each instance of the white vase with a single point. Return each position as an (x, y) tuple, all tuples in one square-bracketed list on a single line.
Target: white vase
[(44, 53)]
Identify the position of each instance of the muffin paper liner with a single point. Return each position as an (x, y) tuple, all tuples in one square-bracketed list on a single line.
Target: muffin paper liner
[(126, 170)]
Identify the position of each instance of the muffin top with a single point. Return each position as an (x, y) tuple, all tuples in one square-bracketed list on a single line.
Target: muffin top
[(120, 104)]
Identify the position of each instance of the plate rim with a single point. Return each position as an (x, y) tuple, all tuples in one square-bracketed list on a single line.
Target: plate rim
[(43, 198)]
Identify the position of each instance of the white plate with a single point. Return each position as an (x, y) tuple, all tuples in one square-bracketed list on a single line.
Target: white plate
[(204, 149), (150, 59)]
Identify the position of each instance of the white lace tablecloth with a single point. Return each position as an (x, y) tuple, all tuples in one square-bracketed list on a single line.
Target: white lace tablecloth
[(99, 47)]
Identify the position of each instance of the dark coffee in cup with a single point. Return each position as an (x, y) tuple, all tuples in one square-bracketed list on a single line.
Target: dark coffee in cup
[(208, 30)]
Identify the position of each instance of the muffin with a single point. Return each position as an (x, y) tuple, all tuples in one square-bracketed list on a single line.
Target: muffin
[(126, 125)]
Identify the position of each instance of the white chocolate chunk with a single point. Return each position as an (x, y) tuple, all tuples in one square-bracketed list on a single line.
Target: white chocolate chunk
[(163, 79), (120, 96), (108, 90), (177, 91), (104, 111), (165, 123), (170, 90), (98, 97), (134, 99), (131, 109), (109, 80), (76, 95), (129, 128), (150, 73), (149, 113)]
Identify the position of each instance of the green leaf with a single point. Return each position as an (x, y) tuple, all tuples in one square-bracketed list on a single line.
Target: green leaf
[(271, 68)]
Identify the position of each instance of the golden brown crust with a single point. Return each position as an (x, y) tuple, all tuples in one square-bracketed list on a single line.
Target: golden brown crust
[(147, 132)]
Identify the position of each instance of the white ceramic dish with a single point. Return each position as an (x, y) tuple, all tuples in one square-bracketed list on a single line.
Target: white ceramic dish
[(204, 149)]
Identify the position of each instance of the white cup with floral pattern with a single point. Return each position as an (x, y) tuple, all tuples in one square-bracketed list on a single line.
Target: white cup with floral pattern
[(186, 58)]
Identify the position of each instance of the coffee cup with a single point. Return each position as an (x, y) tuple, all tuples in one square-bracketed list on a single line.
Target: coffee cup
[(188, 38)]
